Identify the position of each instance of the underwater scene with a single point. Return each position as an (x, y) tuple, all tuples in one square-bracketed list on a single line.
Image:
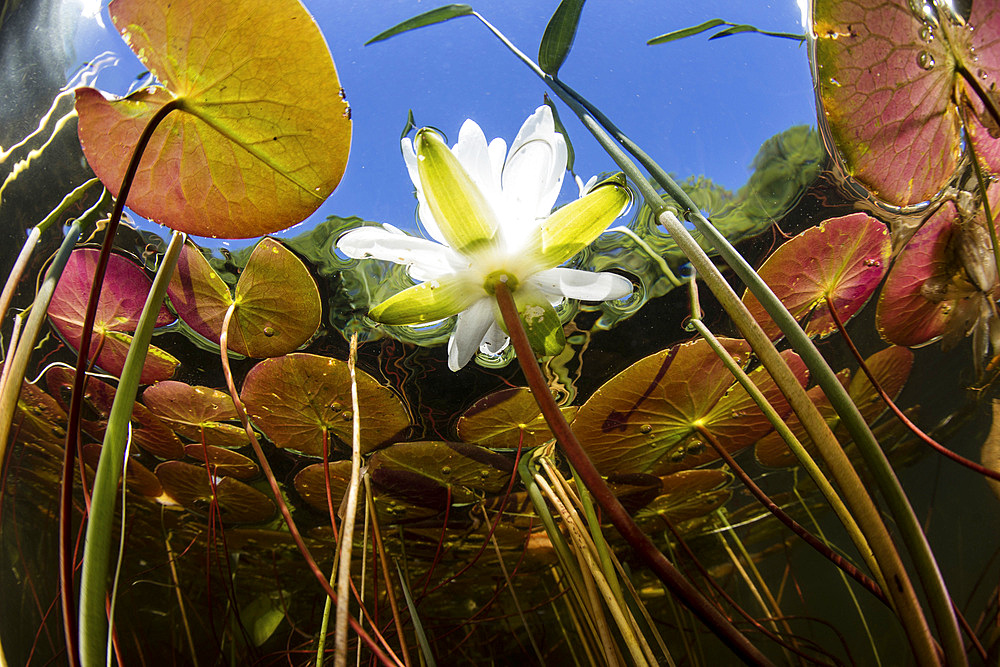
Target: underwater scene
[(505, 333)]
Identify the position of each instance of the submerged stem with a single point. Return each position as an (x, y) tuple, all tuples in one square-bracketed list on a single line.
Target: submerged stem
[(588, 474)]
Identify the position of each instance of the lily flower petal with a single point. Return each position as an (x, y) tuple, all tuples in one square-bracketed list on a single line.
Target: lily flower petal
[(574, 226), (423, 259), (583, 285), (463, 214), (472, 327), (533, 174), (429, 301)]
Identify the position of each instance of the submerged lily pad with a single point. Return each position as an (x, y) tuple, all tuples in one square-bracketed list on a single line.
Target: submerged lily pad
[(507, 418), (191, 486), (843, 258), (421, 472), (195, 412), (262, 133), (686, 495), (310, 482), (892, 91), (148, 430), (138, 478), (122, 298), (300, 399), (223, 462), (277, 302), (41, 417)]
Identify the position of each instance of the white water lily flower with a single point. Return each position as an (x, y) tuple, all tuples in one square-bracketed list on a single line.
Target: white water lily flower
[(489, 213)]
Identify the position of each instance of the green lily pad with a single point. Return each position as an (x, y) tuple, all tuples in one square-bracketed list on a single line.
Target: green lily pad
[(122, 298), (39, 416), (843, 258), (299, 399), (195, 412), (687, 494), (274, 284), (421, 472), (310, 482), (506, 419), (138, 478), (262, 133), (190, 486)]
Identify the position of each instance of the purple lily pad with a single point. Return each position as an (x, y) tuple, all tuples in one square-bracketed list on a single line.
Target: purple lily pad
[(888, 82), (122, 298), (844, 258)]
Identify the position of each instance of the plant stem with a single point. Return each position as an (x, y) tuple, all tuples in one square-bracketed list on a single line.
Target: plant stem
[(97, 547), (640, 542)]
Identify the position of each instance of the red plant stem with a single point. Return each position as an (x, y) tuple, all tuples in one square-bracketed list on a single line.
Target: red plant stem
[(793, 525), (76, 400), (938, 447), (283, 508), (675, 582)]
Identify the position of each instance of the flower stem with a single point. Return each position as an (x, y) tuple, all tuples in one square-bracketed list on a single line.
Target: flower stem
[(588, 474)]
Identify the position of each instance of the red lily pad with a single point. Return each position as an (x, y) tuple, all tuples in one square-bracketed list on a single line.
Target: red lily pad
[(122, 298), (148, 430), (191, 486), (299, 399), (908, 313), (273, 284), (223, 462), (421, 472), (262, 132), (507, 418), (843, 258), (892, 93), (138, 478), (195, 412), (891, 368)]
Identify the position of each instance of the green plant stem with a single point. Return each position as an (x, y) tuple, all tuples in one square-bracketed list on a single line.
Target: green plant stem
[(390, 590), (97, 547), (640, 542), (600, 544)]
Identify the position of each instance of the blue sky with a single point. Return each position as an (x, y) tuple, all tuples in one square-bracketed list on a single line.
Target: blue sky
[(699, 107)]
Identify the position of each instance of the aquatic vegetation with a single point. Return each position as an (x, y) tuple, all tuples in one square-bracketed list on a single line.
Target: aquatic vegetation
[(302, 450)]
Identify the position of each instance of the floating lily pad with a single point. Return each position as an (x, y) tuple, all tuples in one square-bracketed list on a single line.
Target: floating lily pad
[(843, 258), (148, 430), (908, 313), (888, 79), (507, 418), (277, 303), (891, 368), (194, 412), (138, 478), (41, 416), (262, 133), (299, 399), (122, 298), (420, 472), (772, 451), (223, 462), (190, 486), (657, 405)]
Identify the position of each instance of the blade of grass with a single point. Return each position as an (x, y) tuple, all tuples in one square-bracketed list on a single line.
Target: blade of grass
[(418, 627)]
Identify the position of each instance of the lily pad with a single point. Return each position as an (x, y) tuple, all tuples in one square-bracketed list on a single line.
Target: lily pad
[(420, 472), (122, 298), (223, 462), (507, 419), (195, 412), (190, 486), (299, 399), (891, 368), (274, 284), (648, 417), (686, 495), (310, 482), (890, 83), (262, 131), (843, 258), (41, 417), (148, 430)]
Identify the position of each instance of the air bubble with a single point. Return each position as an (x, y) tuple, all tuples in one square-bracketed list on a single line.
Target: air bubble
[(645, 428), (336, 407), (269, 331), (446, 470), (925, 60), (927, 33)]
